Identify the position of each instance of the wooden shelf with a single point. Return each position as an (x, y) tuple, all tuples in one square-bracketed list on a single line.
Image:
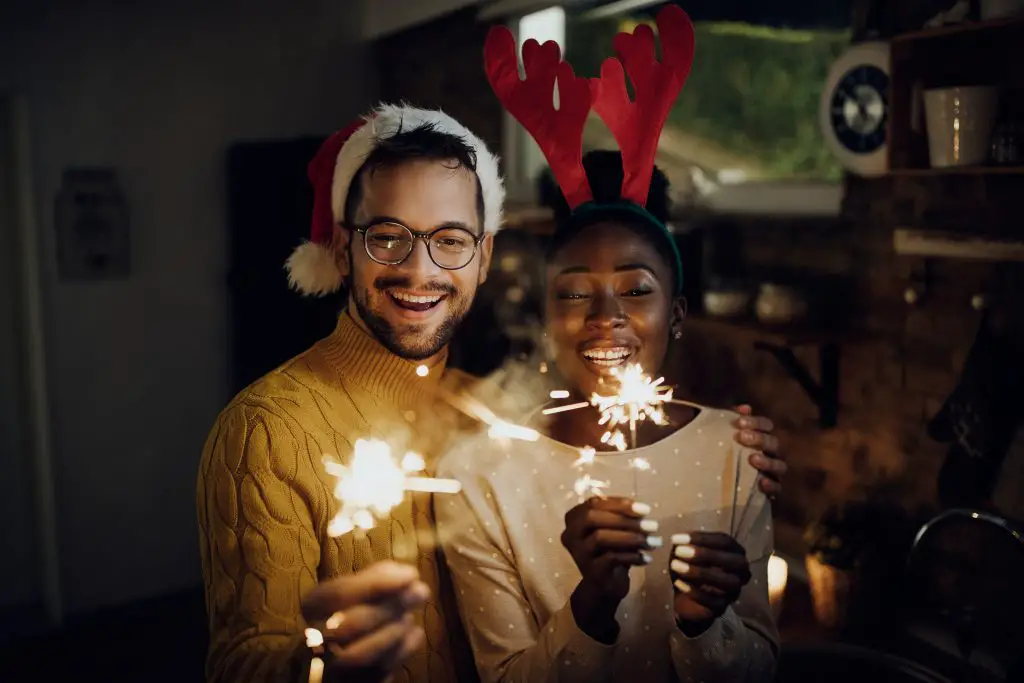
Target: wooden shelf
[(959, 170), (908, 242), (956, 29)]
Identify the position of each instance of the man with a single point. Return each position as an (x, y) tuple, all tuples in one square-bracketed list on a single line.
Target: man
[(406, 206)]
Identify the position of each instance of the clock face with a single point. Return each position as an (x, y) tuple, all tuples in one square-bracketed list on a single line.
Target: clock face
[(859, 108)]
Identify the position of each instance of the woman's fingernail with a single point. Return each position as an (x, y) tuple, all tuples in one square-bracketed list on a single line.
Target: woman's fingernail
[(641, 508), (749, 437), (334, 621), (685, 551), (646, 557), (648, 525), (680, 539), (679, 566), (654, 542), (682, 586)]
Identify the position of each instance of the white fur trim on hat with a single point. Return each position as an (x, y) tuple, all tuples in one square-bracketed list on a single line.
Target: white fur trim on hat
[(312, 269), (390, 119)]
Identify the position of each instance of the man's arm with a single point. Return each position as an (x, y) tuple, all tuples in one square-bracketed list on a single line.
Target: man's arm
[(259, 548)]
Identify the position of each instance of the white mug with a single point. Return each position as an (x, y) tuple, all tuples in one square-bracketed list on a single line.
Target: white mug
[(960, 122)]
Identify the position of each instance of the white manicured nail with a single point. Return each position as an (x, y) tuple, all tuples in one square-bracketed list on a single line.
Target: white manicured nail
[(680, 539), (685, 551), (679, 567), (646, 557), (334, 621), (682, 587), (641, 508), (654, 542), (648, 525)]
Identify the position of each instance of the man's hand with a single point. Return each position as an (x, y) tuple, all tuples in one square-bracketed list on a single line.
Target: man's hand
[(756, 432), (708, 572), (369, 629), (606, 536)]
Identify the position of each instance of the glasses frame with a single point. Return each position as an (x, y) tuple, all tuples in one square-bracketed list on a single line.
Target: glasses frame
[(425, 236)]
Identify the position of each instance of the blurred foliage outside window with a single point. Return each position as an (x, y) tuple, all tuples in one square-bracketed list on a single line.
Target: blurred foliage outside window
[(749, 110)]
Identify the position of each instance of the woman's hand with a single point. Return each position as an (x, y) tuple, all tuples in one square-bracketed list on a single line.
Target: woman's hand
[(606, 536), (756, 432), (708, 572)]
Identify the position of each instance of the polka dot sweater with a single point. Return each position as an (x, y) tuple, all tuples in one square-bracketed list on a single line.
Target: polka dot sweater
[(513, 578)]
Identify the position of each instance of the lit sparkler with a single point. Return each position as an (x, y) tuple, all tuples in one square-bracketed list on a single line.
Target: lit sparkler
[(374, 483), (586, 486)]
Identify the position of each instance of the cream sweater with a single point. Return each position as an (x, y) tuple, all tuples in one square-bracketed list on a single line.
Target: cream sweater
[(513, 578)]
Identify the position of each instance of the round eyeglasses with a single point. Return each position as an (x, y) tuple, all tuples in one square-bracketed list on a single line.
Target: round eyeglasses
[(390, 243)]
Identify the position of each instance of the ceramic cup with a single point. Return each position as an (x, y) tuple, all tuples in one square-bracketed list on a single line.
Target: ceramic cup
[(959, 122)]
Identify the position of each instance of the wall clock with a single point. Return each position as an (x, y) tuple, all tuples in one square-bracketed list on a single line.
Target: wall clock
[(854, 108)]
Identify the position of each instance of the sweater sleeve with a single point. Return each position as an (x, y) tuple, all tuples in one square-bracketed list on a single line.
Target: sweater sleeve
[(508, 643), (742, 645), (259, 550)]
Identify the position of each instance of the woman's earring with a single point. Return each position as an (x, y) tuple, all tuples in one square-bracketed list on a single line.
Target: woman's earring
[(678, 335)]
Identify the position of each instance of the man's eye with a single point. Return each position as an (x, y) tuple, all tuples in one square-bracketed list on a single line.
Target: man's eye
[(571, 296)]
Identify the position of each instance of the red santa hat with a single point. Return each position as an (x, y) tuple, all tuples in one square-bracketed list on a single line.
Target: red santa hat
[(312, 267)]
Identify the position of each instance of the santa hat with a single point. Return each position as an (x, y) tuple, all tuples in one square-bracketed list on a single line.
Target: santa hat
[(312, 268)]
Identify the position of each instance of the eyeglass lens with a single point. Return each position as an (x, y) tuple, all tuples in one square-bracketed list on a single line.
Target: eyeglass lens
[(390, 243)]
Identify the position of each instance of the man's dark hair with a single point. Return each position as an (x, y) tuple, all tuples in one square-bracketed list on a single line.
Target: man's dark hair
[(423, 142)]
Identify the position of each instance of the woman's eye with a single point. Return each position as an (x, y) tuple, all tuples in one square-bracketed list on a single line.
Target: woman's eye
[(638, 291)]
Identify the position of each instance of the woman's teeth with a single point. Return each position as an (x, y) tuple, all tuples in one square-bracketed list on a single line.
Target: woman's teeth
[(607, 356)]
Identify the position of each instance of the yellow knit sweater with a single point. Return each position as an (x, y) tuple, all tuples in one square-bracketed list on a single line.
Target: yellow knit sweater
[(264, 502)]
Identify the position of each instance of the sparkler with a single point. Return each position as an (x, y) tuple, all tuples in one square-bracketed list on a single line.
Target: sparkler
[(374, 483), (586, 486)]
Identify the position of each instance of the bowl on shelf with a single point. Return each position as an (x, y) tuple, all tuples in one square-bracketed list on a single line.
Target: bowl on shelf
[(780, 305), (726, 303)]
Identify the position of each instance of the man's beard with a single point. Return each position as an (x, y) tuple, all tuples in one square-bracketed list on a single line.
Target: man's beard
[(426, 344)]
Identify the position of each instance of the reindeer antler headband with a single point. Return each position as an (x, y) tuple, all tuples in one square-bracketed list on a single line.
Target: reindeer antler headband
[(636, 124)]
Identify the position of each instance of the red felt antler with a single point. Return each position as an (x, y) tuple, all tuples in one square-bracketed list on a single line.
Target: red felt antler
[(558, 132), (637, 125)]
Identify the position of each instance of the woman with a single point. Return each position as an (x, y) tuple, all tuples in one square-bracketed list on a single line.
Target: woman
[(656, 580)]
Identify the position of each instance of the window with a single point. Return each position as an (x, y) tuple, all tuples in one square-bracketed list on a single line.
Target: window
[(744, 134)]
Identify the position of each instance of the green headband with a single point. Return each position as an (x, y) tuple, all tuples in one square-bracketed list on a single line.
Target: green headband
[(592, 212)]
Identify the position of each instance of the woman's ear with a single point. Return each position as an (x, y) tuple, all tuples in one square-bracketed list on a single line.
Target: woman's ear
[(676, 317)]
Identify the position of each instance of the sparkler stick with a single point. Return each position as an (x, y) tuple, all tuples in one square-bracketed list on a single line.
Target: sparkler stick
[(374, 483)]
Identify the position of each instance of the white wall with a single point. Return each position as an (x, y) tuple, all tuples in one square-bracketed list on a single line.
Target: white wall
[(139, 368)]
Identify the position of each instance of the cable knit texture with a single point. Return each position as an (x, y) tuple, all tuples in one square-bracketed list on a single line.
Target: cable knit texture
[(264, 503)]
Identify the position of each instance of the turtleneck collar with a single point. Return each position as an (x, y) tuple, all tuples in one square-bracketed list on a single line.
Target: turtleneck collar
[(362, 360)]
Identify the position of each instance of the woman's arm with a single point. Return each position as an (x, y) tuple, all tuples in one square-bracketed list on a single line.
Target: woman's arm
[(742, 644), (508, 642)]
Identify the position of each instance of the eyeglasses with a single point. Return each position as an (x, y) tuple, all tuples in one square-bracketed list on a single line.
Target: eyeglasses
[(390, 243)]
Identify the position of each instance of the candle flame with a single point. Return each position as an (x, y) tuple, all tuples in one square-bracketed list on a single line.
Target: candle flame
[(374, 483)]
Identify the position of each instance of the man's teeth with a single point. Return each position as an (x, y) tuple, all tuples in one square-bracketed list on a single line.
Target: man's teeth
[(615, 354), (414, 299)]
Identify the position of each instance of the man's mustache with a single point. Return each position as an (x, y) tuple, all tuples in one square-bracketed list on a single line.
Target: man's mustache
[(400, 282)]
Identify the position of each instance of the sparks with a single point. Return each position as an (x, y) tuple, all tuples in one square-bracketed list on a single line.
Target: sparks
[(374, 483), (586, 487), (422, 370), (559, 393), (640, 464), (639, 398)]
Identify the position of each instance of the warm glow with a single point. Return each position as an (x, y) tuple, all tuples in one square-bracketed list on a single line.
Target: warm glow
[(638, 398), (506, 430), (559, 393), (316, 670), (422, 370), (778, 574), (374, 483), (314, 638)]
